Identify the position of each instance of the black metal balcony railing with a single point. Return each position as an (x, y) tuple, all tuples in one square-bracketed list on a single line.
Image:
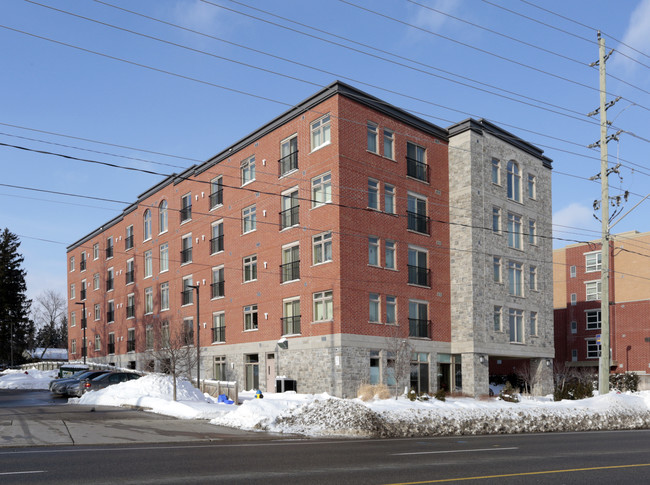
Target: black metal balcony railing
[(216, 244), (418, 275), (216, 198), (130, 311), (186, 256), (288, 163), (128, 242), (111, 348), (291, 325), (186, 213), (130, 277), (109, 252), (417, 169), (290, 217), (418, 222), (290, 271), (218, 289), (187, 296), (110, 316), (130, 345), (418, 328), (109, 284), (218, 334), (82, 265), (83, 294)]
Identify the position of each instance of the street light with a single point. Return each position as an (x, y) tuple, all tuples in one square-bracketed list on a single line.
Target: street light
[(198, 337), (83, 326)]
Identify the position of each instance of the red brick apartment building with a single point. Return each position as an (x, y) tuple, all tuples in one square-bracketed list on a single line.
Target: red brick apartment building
[(577, 300), (319, 243)]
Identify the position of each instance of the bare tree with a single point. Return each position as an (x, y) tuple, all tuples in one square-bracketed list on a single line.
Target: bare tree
[(399, 358), (173, 350), (49, 314)]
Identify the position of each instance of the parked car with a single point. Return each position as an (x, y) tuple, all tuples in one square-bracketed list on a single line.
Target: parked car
[(62, 380), (104, 381), (68, 370), (64, 386)]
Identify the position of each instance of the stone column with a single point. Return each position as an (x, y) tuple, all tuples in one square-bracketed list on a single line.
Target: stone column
[(476, 374), (542, 372)]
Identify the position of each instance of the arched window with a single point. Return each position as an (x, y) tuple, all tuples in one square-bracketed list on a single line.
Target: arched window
[(162, 216), (514, 181), (147, 224)]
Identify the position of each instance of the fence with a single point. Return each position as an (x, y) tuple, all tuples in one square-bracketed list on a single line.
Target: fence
[(216, 388)]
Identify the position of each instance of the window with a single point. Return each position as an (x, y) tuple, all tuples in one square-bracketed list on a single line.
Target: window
[(321, 190), (188, 291), (250, 268), (247, 169), (109, 279), (418, 319), (323, 306), (96, 281), (516, 321), (130, 305), (389, 199), (130, 340), (110, 311), (496, 266), (320, 132), (98, 343), (593, 262), (148, 264), (98, 311), (532, 278), (218, 282), (574, 299), (96, 251), (73, 319), (532, 186), (291, 316), (290, 268), (574, 327), (496, 220), (289, 216), (164, 334), (186, 249), (532, 232), (389, 144), (497, 318), (391, 309), (373, 194), (593, 349), (389, 255), (109, 247), (572, 272), (515, 279), (418, 271), (164, 257), (148, 337), (219, 327), (73, 346), (496, 171), (111, 343), (322, 247), (373, 251), (163, 217), (130, 272), (147, 224), (249, 219), (593, 289), (250, 317), (374, 367), (514, 181), (216, 241), (220, 368), (417, 214), (216, 192), (82, 263), (288, 155), (71, 264), (514, 231), (188, 331), (374, 310), (593, 319), (186, 207), (164, 296), (148, 300), (574, 355), (373, 146), (82, 293), (416, 165), (533, 323), (128, 239)]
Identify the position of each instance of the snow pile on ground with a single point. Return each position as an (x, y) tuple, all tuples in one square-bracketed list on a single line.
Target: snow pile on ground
[(26, 379)]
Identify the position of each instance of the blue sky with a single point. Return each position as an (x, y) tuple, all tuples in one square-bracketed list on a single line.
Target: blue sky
[(253, 63)]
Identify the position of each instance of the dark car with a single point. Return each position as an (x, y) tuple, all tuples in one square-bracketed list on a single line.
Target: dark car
[(64, 386), (104, 381), (64, 380)]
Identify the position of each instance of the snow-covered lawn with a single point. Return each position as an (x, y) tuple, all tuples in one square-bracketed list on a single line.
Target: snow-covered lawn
[(324, 415)]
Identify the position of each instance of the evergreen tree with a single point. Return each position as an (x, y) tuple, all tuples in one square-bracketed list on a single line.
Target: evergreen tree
[(14, 305)]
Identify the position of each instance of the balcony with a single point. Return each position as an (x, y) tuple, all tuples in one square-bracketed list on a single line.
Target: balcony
[(216, 198), (288, 163), (291, 325), (186, 256), (130, 277), (218, 289), (218, 334), (418, 222), (418, 275), (290, 271), (130, 311), (110, 316), (111, 348), (109, 252), (417, 169), (83, 294), (82, 265), (289, 217), (128, 242), (186, 213), (418, 328), (187, 297), (109, 284), (216, 244), (130, 345)]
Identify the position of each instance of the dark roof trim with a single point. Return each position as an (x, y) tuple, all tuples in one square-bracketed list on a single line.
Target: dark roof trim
[(483, 125)]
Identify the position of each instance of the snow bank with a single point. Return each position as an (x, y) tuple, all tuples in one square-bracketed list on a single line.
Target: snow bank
[(26, 379)]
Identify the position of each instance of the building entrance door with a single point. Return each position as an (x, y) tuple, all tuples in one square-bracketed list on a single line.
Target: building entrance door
[(270, 372)]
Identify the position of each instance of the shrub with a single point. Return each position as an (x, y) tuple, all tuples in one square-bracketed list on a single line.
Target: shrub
[(628, 381), (413, 395), (440, 394), (367, 392), (509, 393), (574, 389)]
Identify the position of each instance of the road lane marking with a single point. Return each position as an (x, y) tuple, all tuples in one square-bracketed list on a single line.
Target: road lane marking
[(453, 451), (20, 473), (547, 472)]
